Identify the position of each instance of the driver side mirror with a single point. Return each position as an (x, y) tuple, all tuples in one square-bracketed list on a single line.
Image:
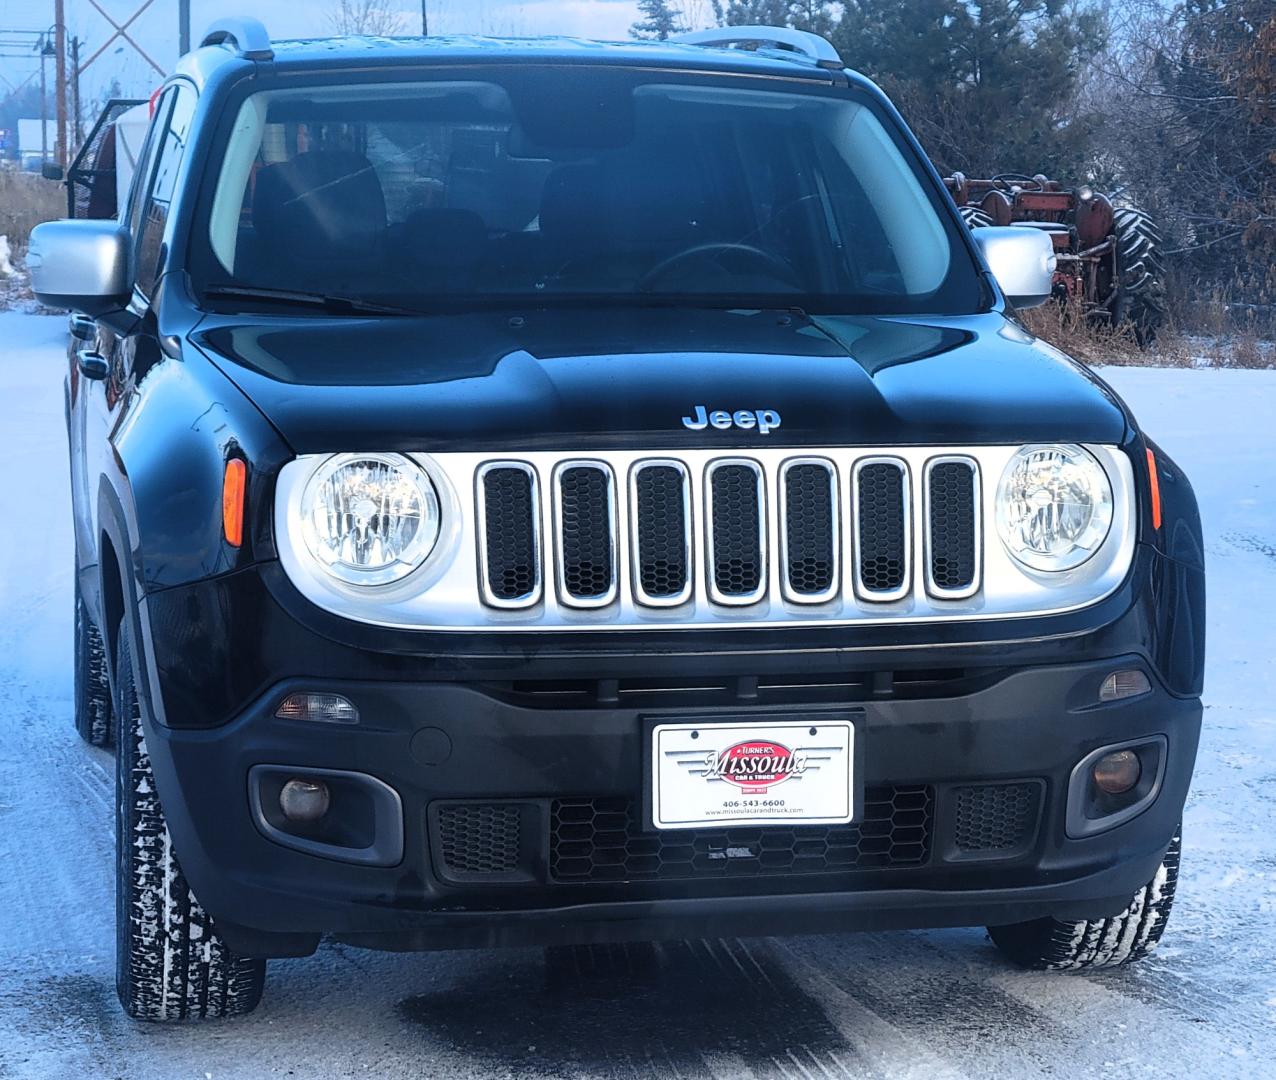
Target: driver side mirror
[(1021, 259), (81, 265), (51, 170)]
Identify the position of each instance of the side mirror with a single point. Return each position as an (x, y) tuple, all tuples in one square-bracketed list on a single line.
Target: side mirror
[(80, 265), (1021, 259), (51, 170)]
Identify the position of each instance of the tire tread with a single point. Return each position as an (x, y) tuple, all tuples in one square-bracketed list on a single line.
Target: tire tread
[(170, 963), (1087, 944)]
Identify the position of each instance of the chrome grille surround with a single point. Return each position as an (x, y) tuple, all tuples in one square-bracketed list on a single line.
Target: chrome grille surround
[(565, 594), (743, 598), (857, 515), (533, 595), (790, 593), (688, 549), (932, 587), (446, 592)]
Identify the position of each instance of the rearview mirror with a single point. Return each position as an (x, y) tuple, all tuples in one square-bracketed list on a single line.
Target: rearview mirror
[(80, 265), (1021, 259), (51, 170)]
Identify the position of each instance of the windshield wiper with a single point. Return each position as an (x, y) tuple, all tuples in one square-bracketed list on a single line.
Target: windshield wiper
[(336, 305)]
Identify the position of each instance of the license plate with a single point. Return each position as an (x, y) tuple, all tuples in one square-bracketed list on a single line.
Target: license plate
[(792, 772)]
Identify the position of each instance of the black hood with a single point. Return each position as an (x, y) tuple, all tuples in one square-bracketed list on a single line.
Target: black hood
[(599, 379)]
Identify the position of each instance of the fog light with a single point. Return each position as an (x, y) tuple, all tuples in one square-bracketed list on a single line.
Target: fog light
[(1117, 772), (1124, 684), (320, 708), (304, 801)]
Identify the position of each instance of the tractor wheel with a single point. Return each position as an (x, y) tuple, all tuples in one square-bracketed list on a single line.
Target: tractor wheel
[(974, 217), (1140, 298)]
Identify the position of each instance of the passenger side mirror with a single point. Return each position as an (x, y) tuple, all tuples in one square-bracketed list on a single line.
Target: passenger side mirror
[(80, 265), (1021, 259)]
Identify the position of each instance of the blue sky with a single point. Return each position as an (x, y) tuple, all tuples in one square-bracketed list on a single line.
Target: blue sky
[(156, 29)]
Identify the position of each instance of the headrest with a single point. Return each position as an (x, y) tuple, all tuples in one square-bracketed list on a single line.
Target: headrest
[(325, 204)]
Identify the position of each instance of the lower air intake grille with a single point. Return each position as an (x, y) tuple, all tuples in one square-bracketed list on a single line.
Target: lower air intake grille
[(951, 551), (663, 532), (511, 560), (599, 840), (585, 524), (736, 527), (479, 839), (996, 817), (882, 563)]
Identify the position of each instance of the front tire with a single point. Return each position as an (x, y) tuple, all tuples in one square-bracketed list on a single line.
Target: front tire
[(170, 963), (1085, 944), (92, 688)]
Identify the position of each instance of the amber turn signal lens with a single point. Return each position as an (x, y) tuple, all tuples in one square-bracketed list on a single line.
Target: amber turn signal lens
[(1117, 772), (233, 501), (1154, 483)]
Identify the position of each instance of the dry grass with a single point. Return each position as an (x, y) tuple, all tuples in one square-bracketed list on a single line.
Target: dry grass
[(1219, 342), (26, 199)]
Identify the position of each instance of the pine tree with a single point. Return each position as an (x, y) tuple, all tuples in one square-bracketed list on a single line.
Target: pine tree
[(1218, 90), (818, 16), (989, 85), (660, 21)]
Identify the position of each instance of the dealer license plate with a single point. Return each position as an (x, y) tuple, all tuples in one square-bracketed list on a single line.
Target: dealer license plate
[(792, 772)]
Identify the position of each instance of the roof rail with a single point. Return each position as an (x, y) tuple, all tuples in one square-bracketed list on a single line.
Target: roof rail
[(246, 35), (785, 38)]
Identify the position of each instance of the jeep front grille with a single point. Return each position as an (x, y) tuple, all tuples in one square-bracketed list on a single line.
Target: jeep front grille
[(624, 539), (736, 544), (881, 511), (952, 548), (661, 508)]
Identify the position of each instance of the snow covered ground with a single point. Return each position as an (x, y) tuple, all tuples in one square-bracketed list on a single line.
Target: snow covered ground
[(935, 1004)]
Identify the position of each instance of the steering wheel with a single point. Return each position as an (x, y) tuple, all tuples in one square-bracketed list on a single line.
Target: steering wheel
[(1005, 179), (773, 264)]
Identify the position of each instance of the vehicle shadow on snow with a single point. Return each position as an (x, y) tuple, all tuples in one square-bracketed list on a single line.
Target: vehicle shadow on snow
[(635, 1010)]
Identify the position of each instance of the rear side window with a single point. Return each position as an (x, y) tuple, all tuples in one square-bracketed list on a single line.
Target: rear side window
[(169, 147)]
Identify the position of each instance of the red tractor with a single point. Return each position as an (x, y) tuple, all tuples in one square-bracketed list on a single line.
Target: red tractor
[(1109, 255)]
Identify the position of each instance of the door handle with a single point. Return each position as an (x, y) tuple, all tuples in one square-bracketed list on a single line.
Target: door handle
[(92, 364), (83, 328)]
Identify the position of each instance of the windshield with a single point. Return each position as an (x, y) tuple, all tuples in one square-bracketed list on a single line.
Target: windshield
[(545, 186)]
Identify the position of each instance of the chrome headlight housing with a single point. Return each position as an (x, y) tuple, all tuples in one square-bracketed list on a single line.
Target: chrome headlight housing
[(369, 519), (1054, 506)]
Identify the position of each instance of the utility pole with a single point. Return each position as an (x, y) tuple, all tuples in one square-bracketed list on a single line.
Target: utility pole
[(184, 27), (59, 44), (425, 19), (78, 123), (44, 105)]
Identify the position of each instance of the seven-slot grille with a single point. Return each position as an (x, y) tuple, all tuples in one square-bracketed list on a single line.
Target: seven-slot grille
[(722, 518)]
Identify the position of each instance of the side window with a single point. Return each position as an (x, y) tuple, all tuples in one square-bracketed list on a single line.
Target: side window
[(170, 147), (144, 168)]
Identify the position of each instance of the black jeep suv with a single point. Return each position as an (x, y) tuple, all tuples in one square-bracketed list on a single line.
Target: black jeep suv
[(551, 491)]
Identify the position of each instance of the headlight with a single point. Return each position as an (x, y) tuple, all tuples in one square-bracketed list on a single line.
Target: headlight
[(370, 519), (1054, 506)]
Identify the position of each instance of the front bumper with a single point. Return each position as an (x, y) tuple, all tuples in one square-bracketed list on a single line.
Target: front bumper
[(541, 744)]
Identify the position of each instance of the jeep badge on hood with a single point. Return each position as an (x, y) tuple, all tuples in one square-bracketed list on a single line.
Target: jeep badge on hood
[(765, 420)]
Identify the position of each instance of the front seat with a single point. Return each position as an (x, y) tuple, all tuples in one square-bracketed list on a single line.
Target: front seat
[(321, 219)]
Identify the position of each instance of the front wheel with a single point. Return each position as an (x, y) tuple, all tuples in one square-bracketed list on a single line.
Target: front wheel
[(170, 963), (1084, 944)]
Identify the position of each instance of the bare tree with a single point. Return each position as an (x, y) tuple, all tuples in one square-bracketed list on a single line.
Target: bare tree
[(379, 18)]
